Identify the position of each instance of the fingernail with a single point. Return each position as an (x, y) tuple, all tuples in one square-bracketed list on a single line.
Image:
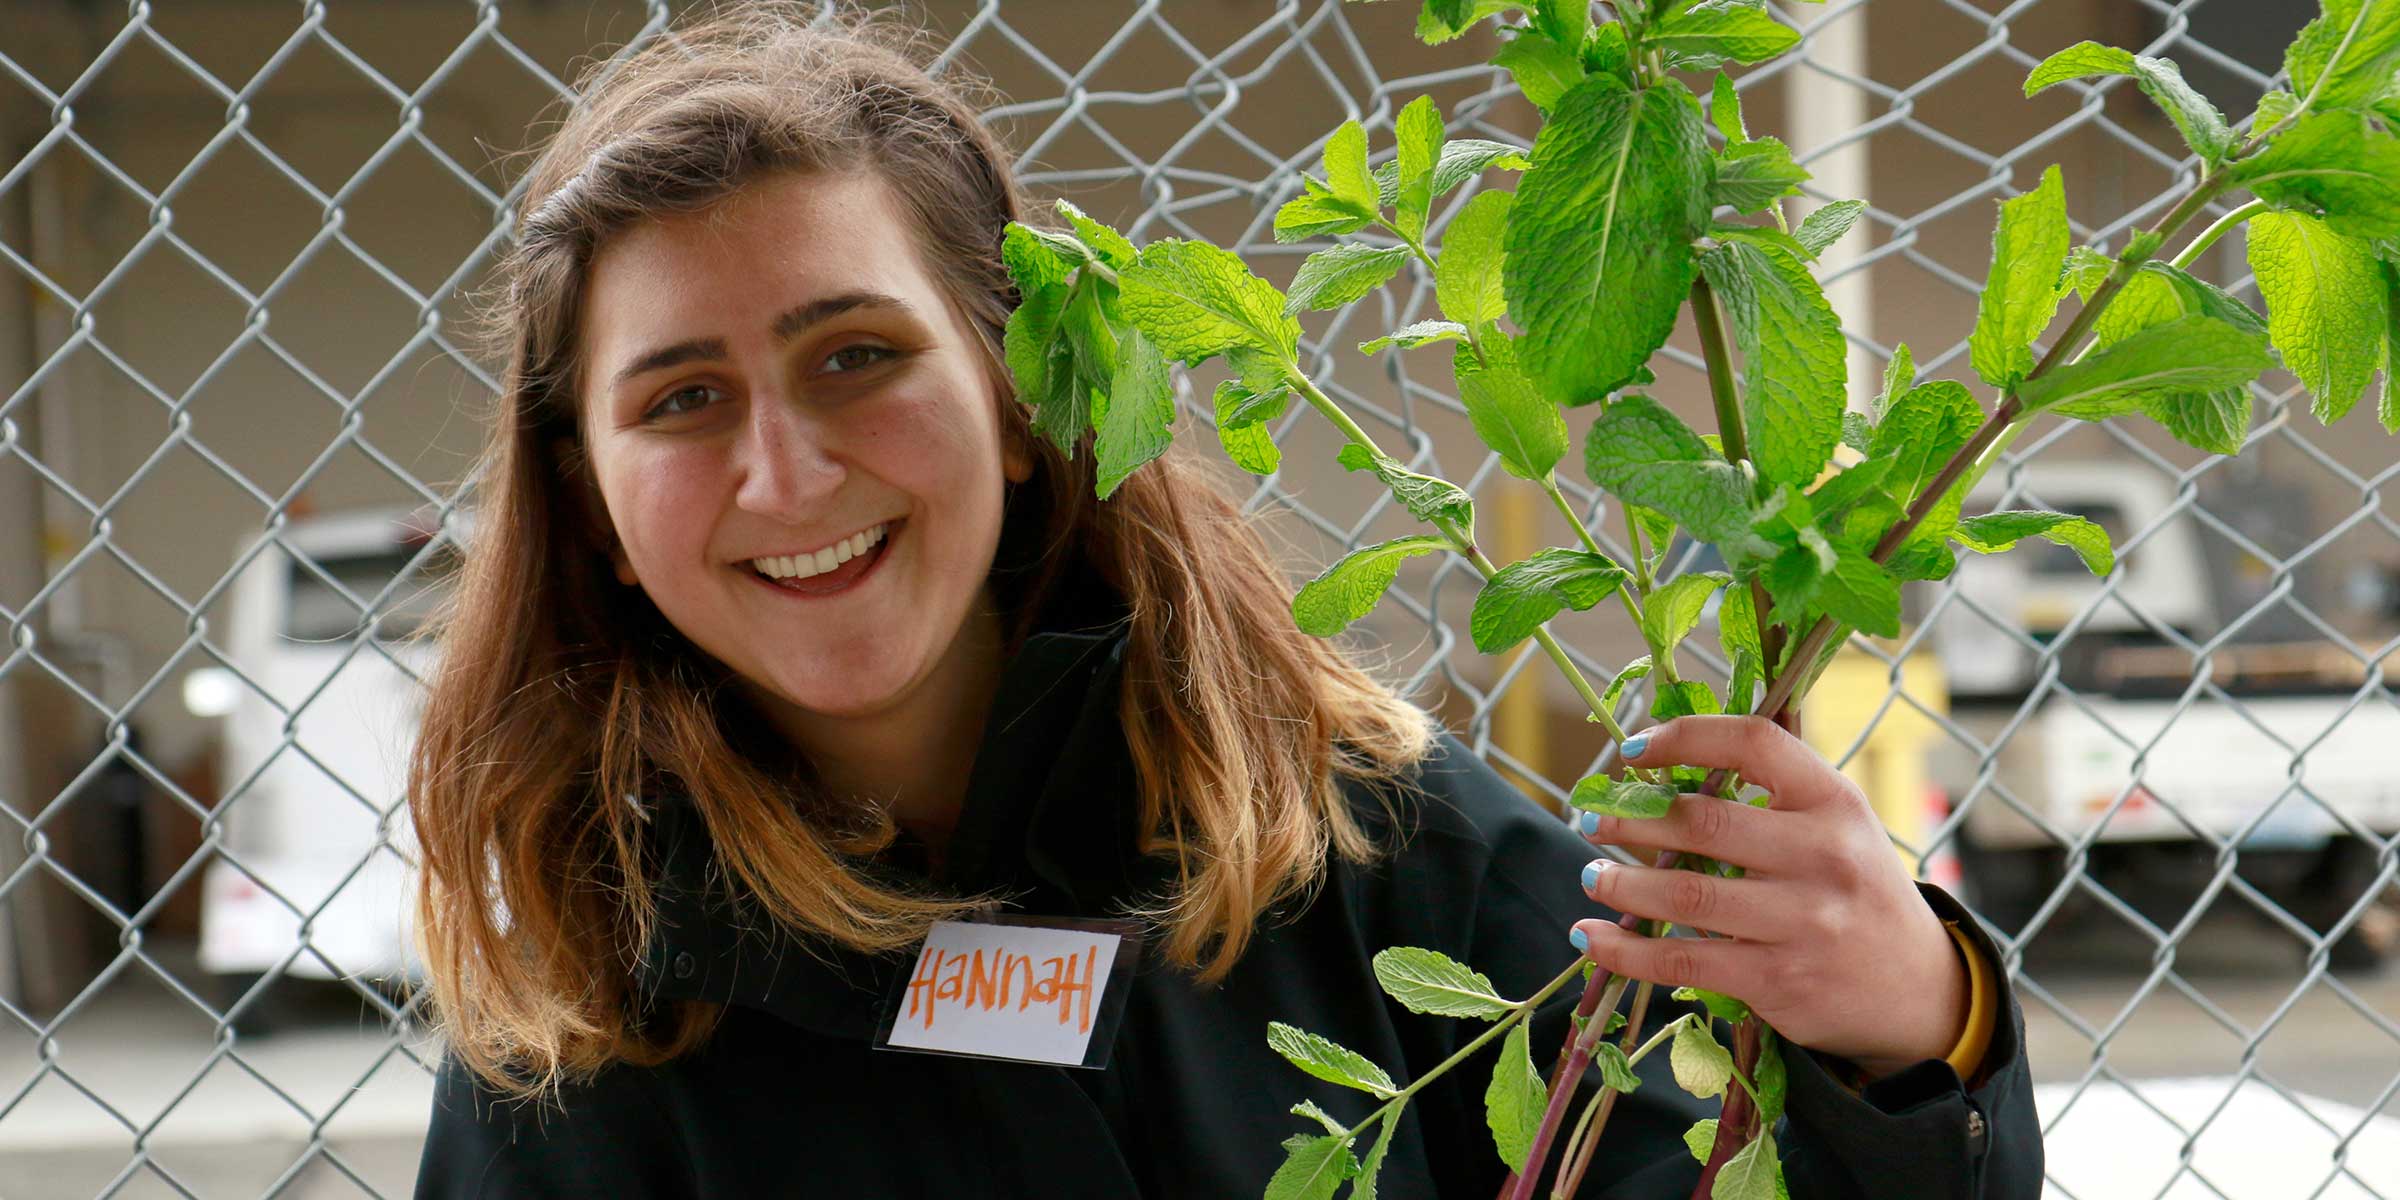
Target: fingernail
[(1591, 875), (1577, 939), (1634, 745), (1588, 824)]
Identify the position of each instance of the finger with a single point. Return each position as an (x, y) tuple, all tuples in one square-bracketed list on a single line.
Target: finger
[(1752, 909), (1751, 838), (1761, 750), (1730, 968)]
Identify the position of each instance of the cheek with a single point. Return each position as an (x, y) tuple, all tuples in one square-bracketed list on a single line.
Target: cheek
[(661, 506)]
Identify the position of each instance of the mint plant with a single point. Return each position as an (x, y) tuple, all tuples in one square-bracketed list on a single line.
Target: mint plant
[(1555, 296)]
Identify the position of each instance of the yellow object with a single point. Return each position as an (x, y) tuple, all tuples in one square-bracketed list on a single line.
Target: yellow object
[(1982, 1008), (1890, 765)]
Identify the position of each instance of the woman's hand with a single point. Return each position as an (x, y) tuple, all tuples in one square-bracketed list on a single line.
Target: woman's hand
[(1824, 936)]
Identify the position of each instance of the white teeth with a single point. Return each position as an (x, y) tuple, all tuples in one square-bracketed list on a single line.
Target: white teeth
[(801, 566)]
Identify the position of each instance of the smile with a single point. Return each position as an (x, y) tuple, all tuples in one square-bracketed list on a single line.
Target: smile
[(802, 566), (856, 559)]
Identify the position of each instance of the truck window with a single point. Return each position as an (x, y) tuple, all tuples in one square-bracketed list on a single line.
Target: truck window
[(317, 613)]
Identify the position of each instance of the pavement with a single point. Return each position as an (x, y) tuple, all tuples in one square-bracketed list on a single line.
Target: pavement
[(2128, 1071)]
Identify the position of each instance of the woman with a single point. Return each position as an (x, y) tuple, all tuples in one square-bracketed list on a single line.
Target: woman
[(783, 638)]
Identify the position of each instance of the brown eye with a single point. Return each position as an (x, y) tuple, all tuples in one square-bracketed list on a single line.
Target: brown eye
[(857, 348), (680, 401)]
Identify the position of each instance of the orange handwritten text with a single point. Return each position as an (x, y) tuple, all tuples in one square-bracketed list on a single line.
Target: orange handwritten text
[(976, 981)]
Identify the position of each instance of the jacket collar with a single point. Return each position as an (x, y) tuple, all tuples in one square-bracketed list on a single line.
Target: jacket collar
[(1049, 817)]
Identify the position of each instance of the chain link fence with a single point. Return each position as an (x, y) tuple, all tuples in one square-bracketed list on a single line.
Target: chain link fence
[(235, 413)]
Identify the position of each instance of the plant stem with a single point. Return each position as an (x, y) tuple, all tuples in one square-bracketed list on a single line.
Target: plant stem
[(1633, 606), (1466, 547), (1582, 1160), (2217, 230), (1524, 1011), (1713, 350)]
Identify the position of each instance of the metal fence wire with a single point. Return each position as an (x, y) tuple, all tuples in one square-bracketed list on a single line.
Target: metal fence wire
[(240, 237)]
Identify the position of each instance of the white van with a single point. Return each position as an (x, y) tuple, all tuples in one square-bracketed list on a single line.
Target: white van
[(311, 880)]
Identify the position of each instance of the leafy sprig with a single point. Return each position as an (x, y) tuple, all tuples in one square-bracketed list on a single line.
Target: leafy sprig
[(1553, 299)]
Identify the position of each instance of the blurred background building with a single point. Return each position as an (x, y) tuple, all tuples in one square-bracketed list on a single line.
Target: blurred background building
[(236, 394)]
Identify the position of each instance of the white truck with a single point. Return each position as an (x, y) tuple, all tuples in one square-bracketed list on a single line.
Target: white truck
[(2149, 724), (311, 881)]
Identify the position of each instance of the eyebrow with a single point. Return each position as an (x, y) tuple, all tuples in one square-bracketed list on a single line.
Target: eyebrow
[(792, 323)]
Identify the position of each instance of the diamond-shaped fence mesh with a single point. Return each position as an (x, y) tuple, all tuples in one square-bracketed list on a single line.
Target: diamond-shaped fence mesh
[(236, 407)]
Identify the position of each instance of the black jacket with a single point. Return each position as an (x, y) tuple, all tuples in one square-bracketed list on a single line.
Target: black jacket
[(789, 1099)]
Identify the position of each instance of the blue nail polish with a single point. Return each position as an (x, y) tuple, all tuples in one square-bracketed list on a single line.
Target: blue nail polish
[(1588, 824), (1576, 938), (1591, 875), (1634, 745)]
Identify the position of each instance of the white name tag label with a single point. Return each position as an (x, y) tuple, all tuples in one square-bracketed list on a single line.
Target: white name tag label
[(1023, 989)]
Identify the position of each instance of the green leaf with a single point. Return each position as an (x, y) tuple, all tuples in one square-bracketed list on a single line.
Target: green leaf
[(1317, 211), (1702, 35), (2327, 307), (1033, 261), (1196, 300), (1092, 338), (1419, 128), (1513, 1103), (2029, 249), (1409, 337), (1599, 252), (1772, 1078), (1921, 431), (2345, 58), (1346, 165), (1860, 593), (1606, 52), (1348, 590), (1675, 606), (1751, 1174), (1625, 675), (1462, 159), (1440, 22), (1309, 1109), (1141, 412), (1364, 1189), (1313, 1168), (1251, 446), (2331, 164), (2215, 421), (1795, 366), (1701, 1139), (1508, 411), (1682, 698), (1616, 1071), (2203, 127), (1644, 455), (1106, 244), (1519, 597), (1621, 797), (1702, 1066), (1568, 22), (1737, 623), (1821, 229), (1467, 276), (1029, 338), (1334, 277), (1430, 499), (1427, 981), (2388, 411), (2188, 354), (2086, 270), (1329, 1061), (1722, 1007), (1725, 111), (1544, 69), (1754, 174), (1992, 533)]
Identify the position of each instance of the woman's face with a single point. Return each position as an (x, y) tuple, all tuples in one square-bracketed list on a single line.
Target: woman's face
[(773, 376)]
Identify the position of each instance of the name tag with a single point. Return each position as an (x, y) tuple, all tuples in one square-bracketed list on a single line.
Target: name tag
[(1024, 989)]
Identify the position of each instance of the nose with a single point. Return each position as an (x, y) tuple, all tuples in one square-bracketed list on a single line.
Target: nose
[(786, 465)]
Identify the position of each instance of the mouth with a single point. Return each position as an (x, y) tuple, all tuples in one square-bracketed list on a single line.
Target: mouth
[(844, 577)]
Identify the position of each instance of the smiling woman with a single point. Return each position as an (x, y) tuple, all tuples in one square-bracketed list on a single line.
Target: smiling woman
[(796, 679)]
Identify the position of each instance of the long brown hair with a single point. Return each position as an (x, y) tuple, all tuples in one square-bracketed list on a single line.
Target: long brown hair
[(560, 694)]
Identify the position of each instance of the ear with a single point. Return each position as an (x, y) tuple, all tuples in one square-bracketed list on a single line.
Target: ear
[(1016, 457)]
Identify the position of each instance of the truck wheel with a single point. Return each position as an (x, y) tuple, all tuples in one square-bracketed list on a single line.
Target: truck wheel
[(2006, 886), (2342, 874)]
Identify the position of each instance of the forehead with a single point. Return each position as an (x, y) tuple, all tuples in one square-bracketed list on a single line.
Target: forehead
[(726, 270)]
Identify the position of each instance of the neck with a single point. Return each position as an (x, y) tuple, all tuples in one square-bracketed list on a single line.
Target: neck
[(914, 760)]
